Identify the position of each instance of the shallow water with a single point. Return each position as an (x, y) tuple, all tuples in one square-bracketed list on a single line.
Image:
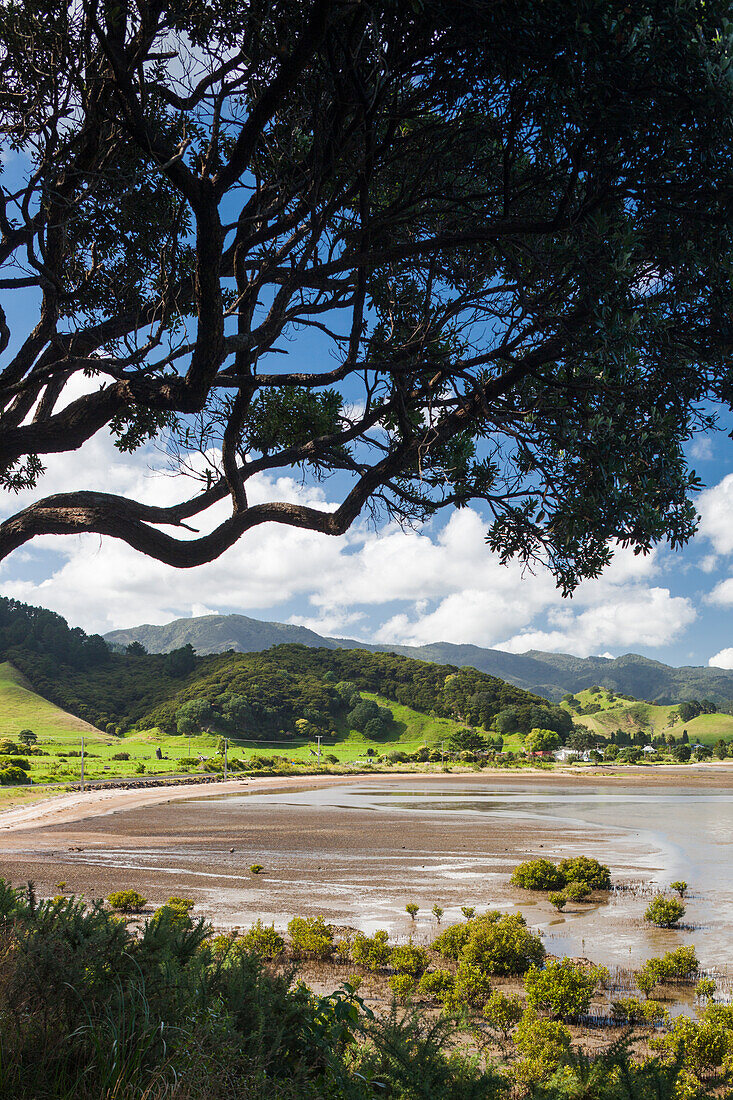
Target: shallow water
[(649, 836)]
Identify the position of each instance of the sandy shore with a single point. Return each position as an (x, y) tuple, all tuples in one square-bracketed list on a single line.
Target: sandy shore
[(77, 806)]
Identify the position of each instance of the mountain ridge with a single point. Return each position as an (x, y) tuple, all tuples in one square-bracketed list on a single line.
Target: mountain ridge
[(549, 674)]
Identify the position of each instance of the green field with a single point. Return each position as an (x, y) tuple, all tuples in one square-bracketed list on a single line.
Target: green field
[(60, 733), (22, 708)]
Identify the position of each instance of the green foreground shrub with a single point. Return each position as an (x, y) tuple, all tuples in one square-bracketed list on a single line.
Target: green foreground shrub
[(664, 912), (561, 988), (127, 901), (311, 938)]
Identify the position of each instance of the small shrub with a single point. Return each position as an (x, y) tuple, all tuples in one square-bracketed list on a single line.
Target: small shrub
[(140, 769), (61, 885), (176, 912), (256, 868), (412, 909), (120, 756), (705, 989), (558, 899), (577, 890), (538, 874), (437, 912), (503, 1013), (263, 940), (649, 976), (436, 982), (469, 911), (311, 938), (471, 988), (354, 982), (586, 869), (664, 912), (562, 988), (503, 945), (544, 1045), (127, 901), (451, 942), (19, 762), (679, 887), (11, 776), (371, 951), (402, 985), (409, 959)]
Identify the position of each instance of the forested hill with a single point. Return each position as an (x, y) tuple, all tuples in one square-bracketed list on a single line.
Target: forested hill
[(549, 674), (268, 691)]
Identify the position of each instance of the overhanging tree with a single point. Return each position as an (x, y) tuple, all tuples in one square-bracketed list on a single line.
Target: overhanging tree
[(508, 224)]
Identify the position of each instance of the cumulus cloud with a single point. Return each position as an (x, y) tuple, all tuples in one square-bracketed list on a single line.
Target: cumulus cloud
[(715, 506), (723, 659)]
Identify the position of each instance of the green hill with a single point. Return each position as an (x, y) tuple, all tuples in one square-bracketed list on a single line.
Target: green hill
[(23, 708), (636, 716)]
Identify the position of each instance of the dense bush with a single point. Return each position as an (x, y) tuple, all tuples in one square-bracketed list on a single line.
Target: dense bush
[(127, 901), (586, 869), (451, 942), (538, 874), (263, 939), (436, 982), (544, 1046), (310, 938), (409, 959), (503, 945), (561, 988), (371, 951), (577, 891), (12, 776), (503, 1013), (471, 988), (664, 912)]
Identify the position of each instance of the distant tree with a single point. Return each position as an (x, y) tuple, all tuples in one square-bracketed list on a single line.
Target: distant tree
[(195, 716), (135, 649), (27, 738), (721, 749), (466, 740), (681, 753), (179, 662), (685, 738), (539, 740)]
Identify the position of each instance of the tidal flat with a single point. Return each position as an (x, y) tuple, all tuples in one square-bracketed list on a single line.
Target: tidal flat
[(358, 850)]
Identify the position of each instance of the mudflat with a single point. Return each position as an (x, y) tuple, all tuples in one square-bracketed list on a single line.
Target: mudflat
[(358, 848)]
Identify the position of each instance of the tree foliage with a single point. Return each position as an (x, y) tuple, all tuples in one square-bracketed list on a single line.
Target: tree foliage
[(520, 282)]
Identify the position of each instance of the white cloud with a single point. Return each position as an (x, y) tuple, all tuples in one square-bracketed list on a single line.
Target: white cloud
[(639, 617), (716, 515), (701, 449), (723, 659), (722, 593)]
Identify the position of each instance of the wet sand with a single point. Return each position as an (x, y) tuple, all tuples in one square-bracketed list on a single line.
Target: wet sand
[(354, 849)]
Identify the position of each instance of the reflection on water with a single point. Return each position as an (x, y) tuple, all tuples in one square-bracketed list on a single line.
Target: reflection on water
[(651, 835)]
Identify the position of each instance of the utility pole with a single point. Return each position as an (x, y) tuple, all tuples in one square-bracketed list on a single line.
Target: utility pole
[(225, 759), (82, 761), (442, 753), (319, 749)]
